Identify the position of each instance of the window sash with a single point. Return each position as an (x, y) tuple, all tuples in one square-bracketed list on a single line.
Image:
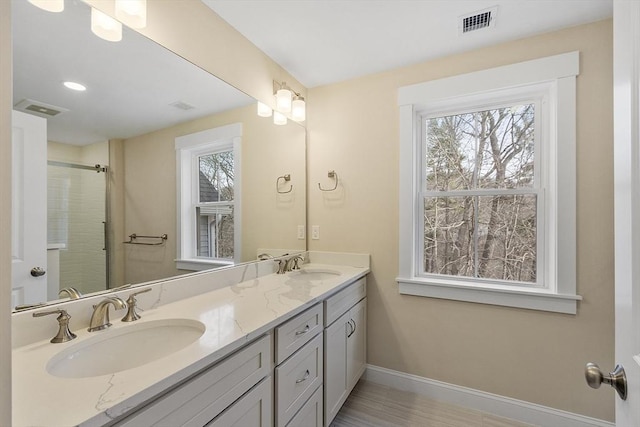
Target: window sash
[(541, 122)]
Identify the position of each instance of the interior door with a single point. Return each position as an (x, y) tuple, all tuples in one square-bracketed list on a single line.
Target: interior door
[(29, 209), (626, 20)]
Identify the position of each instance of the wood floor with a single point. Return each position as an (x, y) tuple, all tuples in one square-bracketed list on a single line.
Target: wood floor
[(371, 404)]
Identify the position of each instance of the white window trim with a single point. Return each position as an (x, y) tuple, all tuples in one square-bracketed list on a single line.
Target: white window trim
[(556, 73), (187, 147)]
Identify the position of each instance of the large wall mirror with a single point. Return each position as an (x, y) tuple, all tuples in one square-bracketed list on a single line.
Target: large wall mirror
[(95, 198)]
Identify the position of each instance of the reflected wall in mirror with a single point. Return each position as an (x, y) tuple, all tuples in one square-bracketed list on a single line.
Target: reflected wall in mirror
[(110, 164)]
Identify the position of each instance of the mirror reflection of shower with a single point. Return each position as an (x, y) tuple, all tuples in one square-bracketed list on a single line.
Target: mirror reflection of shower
[(76, 227)]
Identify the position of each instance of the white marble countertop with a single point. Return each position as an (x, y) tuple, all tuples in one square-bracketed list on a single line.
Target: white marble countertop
[(233, 316)]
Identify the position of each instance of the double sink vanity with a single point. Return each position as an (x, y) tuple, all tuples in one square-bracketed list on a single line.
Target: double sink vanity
[(241, 346)]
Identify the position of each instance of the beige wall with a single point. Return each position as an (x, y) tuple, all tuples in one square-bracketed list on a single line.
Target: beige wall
[(529, 355), (268, 219), (5, 212)]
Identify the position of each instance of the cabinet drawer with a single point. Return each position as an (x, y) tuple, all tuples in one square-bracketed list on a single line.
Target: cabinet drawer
[(296, 332), (202, 398), (337, 305), (254, 409), (297, 379), (311, 413)]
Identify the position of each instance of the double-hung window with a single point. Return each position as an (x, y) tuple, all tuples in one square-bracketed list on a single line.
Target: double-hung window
[(487, 186), (208, 202)]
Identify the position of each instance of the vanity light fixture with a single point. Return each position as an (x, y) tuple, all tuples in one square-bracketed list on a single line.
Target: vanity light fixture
[(287, 101), (75, 86), (264, 110), (132, 12), (49, 5), (279, 118), (105, 27)]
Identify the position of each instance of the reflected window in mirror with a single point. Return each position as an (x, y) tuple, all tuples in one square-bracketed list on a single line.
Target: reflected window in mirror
[(209, 214), (214, 207)]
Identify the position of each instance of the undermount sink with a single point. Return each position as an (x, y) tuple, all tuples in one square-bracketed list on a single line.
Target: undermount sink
[(117, 350), (311, 275)]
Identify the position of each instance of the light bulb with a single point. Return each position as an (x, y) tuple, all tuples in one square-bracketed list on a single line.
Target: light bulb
[(49, 5), (279, 118), (132, 12), (298, 109), (105, 26), (264, 110), (283, 100)]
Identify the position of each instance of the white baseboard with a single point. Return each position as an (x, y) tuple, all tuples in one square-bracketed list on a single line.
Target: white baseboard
[(507, 407)]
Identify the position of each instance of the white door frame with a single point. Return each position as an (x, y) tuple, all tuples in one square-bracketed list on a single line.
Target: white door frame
[(626, 90)]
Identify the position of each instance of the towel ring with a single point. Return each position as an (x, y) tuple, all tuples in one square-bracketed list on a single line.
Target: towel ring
[(286, 178), (330, 174)]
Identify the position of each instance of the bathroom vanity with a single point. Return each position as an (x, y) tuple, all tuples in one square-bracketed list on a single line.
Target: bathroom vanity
[(269, 349)]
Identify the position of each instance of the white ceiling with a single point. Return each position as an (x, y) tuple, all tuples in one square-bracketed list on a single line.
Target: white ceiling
[(326, 41), (130, 84)]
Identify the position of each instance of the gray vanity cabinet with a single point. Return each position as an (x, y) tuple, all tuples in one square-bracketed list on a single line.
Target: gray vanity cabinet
[(345, 346)]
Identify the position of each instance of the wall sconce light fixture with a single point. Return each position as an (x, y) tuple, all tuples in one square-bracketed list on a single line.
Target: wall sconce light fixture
[(49, 5), (105, 27), (288, 101)]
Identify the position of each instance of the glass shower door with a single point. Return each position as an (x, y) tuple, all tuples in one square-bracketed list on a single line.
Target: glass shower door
[(76, 221)]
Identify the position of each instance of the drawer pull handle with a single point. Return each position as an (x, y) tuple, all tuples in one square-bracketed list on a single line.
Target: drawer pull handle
[(303, 379), (304, 331)]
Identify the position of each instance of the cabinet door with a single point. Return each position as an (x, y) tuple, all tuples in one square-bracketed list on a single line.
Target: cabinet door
[(357, 343), (335, 367)]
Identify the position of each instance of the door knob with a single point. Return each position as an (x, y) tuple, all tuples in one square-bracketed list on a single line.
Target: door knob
[(37, 271), (616, 379)]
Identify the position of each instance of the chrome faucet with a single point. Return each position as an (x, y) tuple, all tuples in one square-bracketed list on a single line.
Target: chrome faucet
[(100, 316), (71, 292)]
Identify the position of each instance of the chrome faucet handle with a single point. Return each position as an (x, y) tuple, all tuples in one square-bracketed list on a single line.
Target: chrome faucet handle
[(131, 315), (100, 316), (64, 334)]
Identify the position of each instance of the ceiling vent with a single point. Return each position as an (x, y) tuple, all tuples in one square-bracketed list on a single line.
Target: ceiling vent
[(38, 108), (477, 20), (181, 105)]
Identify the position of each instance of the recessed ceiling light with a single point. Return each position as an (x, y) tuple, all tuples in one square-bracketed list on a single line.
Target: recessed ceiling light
[(75, 86)]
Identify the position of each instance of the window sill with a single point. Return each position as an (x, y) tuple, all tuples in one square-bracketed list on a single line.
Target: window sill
[(200, 264), (529, 299)]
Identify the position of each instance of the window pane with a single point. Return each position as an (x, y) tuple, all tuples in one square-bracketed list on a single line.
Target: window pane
[(507, 233), (216, 177), (506, 147), (483, 149), (450, 153), (215, 231), (448, 235)]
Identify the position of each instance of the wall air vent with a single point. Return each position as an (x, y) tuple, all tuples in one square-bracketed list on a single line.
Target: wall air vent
[(181, 105), (38, 108), (477, 20)]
